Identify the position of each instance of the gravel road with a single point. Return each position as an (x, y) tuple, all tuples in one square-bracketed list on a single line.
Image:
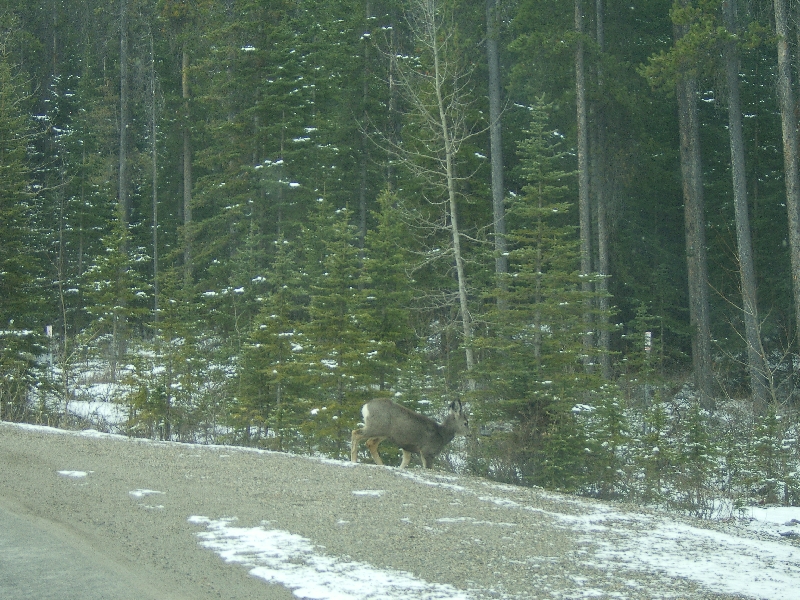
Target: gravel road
[(441, 528)]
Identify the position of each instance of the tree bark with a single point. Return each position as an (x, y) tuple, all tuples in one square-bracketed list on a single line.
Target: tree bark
[(393, 117), (363, 159), (694, 223), (496, 145), (187, 171), (123, 201), (584, 203), (124, 95), (599, 180), (449, 150), (790, 161), (154, 166), (755, 361)]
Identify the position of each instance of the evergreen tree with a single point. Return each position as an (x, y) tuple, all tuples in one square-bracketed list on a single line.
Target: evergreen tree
[(22, 302), (537, 353), (655, 455), (697, 453), (386, 312), (339, 349), (609, 440), (272, 363), (117, 293)]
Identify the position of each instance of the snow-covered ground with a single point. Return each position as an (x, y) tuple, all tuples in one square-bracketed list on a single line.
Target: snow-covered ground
[(294, 562), (106, 414)]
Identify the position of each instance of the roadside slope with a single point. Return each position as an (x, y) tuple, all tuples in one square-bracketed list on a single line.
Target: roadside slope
[(146, 507)]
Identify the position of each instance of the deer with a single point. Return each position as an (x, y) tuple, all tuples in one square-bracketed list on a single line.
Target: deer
[(411, 431)]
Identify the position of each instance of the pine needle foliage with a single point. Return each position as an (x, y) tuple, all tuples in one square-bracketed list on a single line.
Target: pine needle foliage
[(537, 369)]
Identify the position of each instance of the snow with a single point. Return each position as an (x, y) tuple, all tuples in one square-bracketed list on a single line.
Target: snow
[(142, 493), (722, 562), (681, 550), (755, 556), (293, 561), (108, 413), (373, 493), (75, 474)]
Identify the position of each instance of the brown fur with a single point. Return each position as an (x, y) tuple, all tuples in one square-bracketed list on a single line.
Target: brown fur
[(410, 431)]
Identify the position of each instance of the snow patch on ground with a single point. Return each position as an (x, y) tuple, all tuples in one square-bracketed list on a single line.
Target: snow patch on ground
[(293, 561), (373, 493), (75, 474), (740, 562), (142, 493), (721, 562)]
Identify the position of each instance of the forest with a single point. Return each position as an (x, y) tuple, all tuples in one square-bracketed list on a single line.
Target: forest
[(248, 217)]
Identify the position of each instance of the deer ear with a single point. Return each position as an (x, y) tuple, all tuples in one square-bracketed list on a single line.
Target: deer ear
[(453, 406)]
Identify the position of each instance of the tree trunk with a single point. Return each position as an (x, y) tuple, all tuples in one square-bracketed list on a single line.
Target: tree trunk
[(124, 95), (789, 131), (755, 362), (123, 202), (393, 126), (362, 188), (154, 167), (584, 204), (694, 222), (466, 319), (435, 94), (187, 172), (599, 180), (496, 145)]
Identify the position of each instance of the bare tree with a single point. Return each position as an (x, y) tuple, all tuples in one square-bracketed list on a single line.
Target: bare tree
[(435, 88)]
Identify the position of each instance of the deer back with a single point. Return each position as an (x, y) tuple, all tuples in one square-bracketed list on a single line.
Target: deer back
[(410, 430)]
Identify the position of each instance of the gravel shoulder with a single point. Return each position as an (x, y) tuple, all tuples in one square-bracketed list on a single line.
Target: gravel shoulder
[(465, 532)]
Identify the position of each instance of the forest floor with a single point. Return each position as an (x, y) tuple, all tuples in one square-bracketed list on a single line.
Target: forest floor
[(89, 515)]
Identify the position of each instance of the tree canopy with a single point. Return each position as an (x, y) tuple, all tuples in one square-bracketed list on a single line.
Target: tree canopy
[(253, 215)]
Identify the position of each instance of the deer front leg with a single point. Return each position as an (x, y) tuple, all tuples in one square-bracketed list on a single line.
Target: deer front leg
[(372, 446), (406, 459)]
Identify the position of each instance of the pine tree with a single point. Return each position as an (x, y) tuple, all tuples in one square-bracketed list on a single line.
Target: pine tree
[(272, 363), (117, 293), (696, 463), (537, 352), (339, 349), (171, 370), (388, 295), (21, 298)]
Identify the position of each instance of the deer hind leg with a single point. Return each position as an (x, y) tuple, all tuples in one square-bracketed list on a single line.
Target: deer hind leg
[(406, 459), (355, 438), (372, 446)]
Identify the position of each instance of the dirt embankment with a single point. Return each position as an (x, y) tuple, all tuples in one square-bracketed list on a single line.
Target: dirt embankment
[(476, 536)]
